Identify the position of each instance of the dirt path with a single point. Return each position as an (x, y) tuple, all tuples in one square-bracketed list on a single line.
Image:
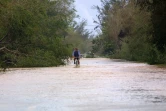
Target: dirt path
[(98, 85)]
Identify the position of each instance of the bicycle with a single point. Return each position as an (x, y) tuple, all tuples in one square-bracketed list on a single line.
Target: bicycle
[(76, 62)]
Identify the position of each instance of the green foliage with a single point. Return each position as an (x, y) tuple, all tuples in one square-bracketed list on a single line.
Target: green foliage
[(40, 59), (102, 47), (133, 30), (32, 32)]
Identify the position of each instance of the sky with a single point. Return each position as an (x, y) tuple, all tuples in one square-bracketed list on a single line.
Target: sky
[(85, 11)]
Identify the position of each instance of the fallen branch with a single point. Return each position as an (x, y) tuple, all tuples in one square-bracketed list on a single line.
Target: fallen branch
[(4, 37), (11, 51), (6, 49)]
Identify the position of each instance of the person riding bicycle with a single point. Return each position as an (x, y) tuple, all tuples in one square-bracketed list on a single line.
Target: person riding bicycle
[(76, 55)]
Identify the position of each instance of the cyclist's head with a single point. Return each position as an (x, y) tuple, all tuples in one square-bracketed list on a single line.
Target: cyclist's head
[(76, 49)]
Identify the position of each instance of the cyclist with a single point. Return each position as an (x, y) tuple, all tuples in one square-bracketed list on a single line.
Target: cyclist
[(76, 55)]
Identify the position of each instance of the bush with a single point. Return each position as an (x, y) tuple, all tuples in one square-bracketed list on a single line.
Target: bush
[(39, 59)]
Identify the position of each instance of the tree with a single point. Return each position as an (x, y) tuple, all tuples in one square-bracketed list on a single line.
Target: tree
[(32, 31), (80, 37), (159, 24)]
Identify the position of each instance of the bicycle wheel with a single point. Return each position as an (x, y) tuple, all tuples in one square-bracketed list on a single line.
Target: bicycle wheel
[(76, 63)]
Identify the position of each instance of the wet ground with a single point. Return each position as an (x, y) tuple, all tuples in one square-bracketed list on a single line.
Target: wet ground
[(97, 85)]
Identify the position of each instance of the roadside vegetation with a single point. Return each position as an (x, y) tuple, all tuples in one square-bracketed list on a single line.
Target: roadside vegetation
[(132, 30), (39, 33), (42, 33)]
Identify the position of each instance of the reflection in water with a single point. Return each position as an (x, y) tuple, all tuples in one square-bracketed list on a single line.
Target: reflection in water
[(98, 85)]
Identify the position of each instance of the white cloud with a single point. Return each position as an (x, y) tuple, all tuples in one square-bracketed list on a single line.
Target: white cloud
[(85, 13)]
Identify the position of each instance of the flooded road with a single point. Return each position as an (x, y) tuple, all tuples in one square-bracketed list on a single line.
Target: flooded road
[(98, 85)]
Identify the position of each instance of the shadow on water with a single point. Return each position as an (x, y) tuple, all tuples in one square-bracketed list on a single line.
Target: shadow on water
[(147, 96)]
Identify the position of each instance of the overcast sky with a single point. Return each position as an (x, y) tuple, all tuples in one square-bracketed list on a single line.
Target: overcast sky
[(85, 11)]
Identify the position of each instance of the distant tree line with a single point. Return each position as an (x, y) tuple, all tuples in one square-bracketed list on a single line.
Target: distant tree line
[(132, 30)]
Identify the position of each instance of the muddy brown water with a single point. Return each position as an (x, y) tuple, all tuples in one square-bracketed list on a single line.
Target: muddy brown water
[(97, 85)]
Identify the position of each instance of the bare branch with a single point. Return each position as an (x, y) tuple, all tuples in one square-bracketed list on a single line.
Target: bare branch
[(16, 52), (4, 37)]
